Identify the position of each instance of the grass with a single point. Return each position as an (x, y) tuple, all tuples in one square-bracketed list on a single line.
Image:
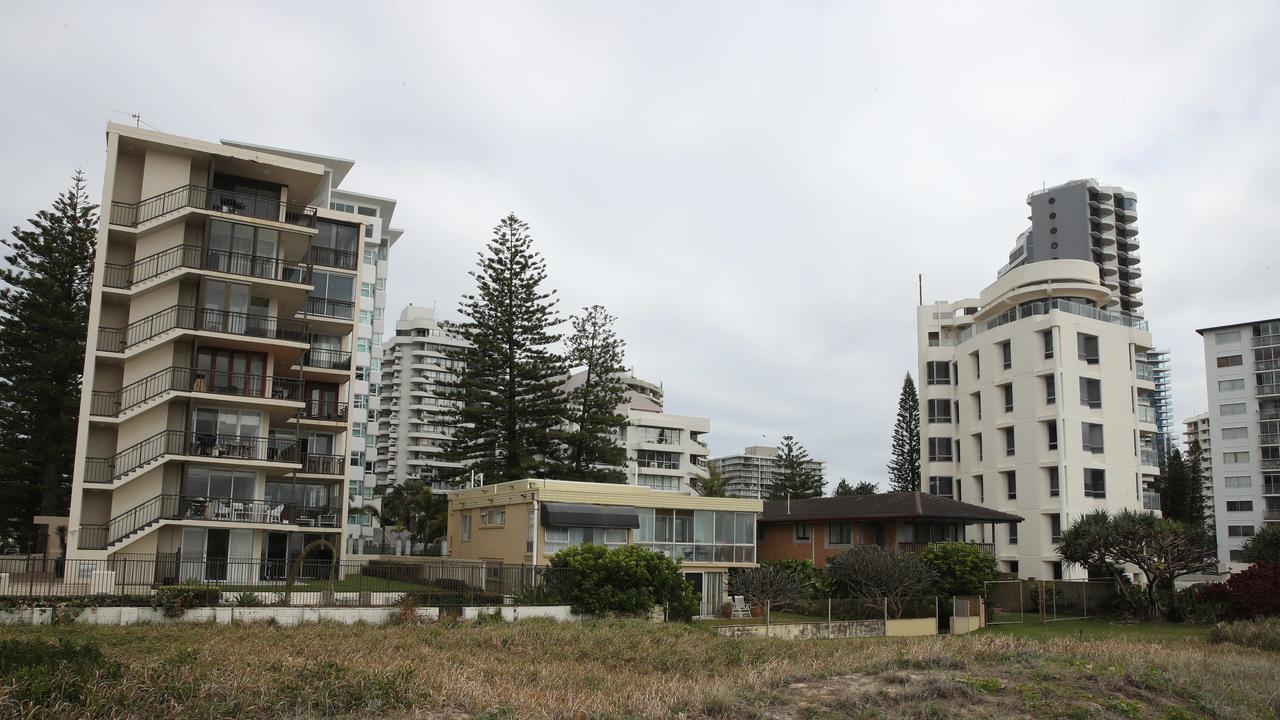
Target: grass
[(622, 669), (775, 618), (1098, 629)]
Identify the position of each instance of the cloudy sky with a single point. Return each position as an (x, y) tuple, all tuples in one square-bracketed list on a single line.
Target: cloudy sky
[(751, 188)]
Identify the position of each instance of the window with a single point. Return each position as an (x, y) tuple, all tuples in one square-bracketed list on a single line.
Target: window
[(362, 345), (1013, 533), (1237, 556), (802, 532), (357, 429), (1008, 441), (1227, 337), (493, 518), (1230, 385), (1006, 353), (1238, 481), (658, 459), (656, 435), (939, 411), (1051, 426), (1230, 361), (370, 256), (1235, 457), (939, 449), (977, 365), (361, 401), (366, 317), (466, 527), (1231, 409), (977, 443), (941, 485), (839, 533), (1008, 397), (977, 404), (1095, 482), (1046, 337), (939, 372), (1235, 433), (366, 289), (530, 529), (1239, 506), (1240, 531), (1013, 567), (556, 539), (1011, 484), (982, 490), (1087, 348), (362, 372), (1091, 438), (1053, 481), (1050, 390), (1055, 532), (342, 207), (1090, 392)]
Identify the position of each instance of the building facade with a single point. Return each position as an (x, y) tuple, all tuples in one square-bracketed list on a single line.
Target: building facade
[(1161, 369), (816, 529), (751, 474), (526, 522), (215, 428), (1036, 401), (1242, 369), (1197, 430)]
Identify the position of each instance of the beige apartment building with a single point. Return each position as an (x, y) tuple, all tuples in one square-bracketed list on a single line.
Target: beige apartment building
[(1035, 401), (526, 522), (215, 429)]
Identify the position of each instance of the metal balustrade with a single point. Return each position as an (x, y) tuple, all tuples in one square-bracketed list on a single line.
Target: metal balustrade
[(111, 404), (330, 308), (216, 445), (324, 410), (189, 317), (225, 201), (318, 464), (327, 359), (333, 257), (201, 258)]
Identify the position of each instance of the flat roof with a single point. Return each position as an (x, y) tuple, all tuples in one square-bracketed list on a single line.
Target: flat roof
[(882, 506), (1204, 330), (589, 493)]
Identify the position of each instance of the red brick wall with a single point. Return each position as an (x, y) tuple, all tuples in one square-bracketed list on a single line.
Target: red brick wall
[(777, 541)]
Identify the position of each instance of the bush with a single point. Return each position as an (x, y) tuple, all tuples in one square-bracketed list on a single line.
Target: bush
[(248, 599), (11, 602), (1254, 593), (1261, 634), (960, 568), (629, 579), (177, 599), (876, 575), (38, 672), (1264, 546), (821, 584)]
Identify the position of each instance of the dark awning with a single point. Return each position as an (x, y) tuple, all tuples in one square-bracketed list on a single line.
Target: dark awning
[(576, 515)]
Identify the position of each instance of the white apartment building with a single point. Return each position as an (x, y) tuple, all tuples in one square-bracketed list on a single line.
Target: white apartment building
[(1197, 429), (1242, 369), (664, 452), (1035, 401), (214, 432), (751, 473), (415, 425)]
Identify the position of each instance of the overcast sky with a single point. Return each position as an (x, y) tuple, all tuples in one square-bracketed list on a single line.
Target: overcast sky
[(750, 187)]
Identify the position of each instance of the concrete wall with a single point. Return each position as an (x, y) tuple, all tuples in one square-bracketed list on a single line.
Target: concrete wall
[(281, 615), (912, 627), (808, 631), (963, 625)]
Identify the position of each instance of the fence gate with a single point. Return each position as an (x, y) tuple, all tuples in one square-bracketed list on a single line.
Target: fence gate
[(1006, 602)]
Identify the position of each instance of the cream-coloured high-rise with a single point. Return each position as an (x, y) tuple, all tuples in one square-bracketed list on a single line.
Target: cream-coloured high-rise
[(216, 422), (1198, 430), (1036, 401)]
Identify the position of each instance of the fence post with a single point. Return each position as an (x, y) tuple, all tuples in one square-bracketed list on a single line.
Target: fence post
[(828, 616), (1085, 597), (768, 611), (1043, 618), (884, 602)]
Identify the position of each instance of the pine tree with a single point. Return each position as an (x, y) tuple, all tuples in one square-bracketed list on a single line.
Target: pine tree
[(512, 408), (1175, 489), (795, 479), (904, 467), (592, 449), (1196, 510), (843, 488), (44, 311)]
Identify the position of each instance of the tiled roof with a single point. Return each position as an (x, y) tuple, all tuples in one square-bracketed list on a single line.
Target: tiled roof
[(882, 506)]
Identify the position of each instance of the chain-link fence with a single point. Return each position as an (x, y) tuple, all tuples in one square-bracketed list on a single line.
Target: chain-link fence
[(1019, 601), (1006, 602)]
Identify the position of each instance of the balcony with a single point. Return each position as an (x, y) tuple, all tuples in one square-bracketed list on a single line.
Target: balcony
[(197, 444), (1150, 500), (333, 258), (203, 198), (317, 464), (183, 379), (1271, 515), (198, 258), (1145, 372), (324, 410), (201, 508), (1266, 340), (1269, 439), (1271, 488), (326, 359), (1148, 456), (1265, 390), (329, 308), (1146, 414), (189, 317)]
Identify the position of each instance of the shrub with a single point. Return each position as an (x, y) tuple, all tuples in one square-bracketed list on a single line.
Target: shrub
[(874, 574), (35, 671), (12, 602), (960, 568), (772, 584), (628, 579), (1254, 593), (1264, 546), (821, 584), (1261, 634), (177, 599), (248, 599)]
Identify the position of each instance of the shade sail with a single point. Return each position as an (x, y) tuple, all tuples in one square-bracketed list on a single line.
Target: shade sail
[(577, 515)]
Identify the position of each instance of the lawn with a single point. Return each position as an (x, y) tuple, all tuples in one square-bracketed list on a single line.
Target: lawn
[(1098, 629), (618, 669)]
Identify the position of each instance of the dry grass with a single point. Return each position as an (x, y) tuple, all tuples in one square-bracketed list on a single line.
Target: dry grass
[(620, 669)]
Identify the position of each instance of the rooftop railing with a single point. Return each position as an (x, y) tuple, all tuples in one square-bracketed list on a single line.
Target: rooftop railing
[(1042, 307)]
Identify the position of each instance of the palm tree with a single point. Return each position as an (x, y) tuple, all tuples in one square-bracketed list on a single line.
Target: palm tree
[(412, 506)]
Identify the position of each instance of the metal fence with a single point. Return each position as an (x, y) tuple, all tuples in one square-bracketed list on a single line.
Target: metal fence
[(1020, 601), (316, 582), (835, 609)]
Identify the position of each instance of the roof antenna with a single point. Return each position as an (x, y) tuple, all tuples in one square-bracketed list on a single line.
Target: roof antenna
[(137, 119), (920, 286)]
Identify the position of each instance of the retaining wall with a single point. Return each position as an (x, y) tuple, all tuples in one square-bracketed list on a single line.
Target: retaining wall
[(913, 627), (807, 631), (287, 616)]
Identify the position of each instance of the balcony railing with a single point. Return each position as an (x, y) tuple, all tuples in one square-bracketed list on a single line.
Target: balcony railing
[(189, 317), (193, 507), (919, 547), (1146, 414), (1150, 500), (182, 442), (333, 257), (1270, 464), (92, 537), (200, 258), (318, 464), (1042, 307), (1271, 488), (110, 404), (226, 201), (1145, 372), (326, 517), (1268, 390), (328, 307), (1149, 457), (1271, 515), (1266, 340), (324, 410), (1269, 439), (327, 359)]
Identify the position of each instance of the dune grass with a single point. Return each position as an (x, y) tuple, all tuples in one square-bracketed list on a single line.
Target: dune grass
[(620, 669)]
